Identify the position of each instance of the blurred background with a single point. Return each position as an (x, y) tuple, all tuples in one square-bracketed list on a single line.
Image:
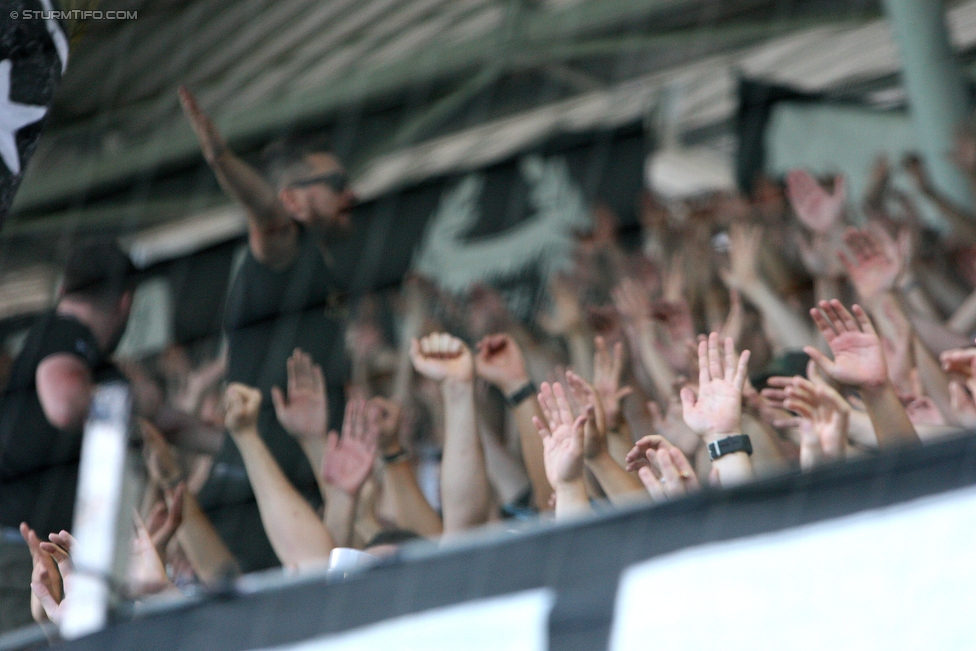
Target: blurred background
[(491, 145)]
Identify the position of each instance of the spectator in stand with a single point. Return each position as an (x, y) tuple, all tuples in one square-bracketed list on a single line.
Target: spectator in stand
[(286, 295), (634, 401)]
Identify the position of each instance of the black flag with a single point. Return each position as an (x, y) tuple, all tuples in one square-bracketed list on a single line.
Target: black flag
[(33, 55), (508, 224)]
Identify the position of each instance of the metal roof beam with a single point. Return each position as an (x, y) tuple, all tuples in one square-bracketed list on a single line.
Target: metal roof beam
[(173, 144)]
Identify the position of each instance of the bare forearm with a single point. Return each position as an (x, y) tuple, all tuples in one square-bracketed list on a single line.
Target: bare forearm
[(733, 469), (248, 188), (888, 416), (960, 220), (963, 320), (861, 430), (619, 443), (294, 530), (934, 381), (204, 548), (464, 481), (935, 336), (314, 449), (187, 432), (340, 512), (571, 500), (619, 485), (505, 474), (791, 329), (662, 375), (532, 453), (580, 344), (412, 509), (826, 288)]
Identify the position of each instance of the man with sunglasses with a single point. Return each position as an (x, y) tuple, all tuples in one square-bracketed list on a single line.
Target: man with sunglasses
[(285, 295)]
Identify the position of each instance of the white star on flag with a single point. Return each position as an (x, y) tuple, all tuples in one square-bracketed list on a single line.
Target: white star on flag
[(13, 117)]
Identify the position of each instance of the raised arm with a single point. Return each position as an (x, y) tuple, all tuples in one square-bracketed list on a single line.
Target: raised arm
[(619, 485), (273, 234), (499, 361), (562, 440), (347, 464), (411, 509), (211, 559), (304, 412), (663, 468), (790, 330), (715, 413), (859, 363), (632, 302), (296, 534), (822, 213), (963, 233), (822, 419), (464, 479)]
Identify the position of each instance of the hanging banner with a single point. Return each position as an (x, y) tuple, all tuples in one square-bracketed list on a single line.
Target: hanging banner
[(33, 56), (510, 224)]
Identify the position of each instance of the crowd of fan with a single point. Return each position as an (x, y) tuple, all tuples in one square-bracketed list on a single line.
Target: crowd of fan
[(853, 337)]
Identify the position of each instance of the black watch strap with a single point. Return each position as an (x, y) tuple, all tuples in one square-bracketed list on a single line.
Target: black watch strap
[(521, 395), (728, 445), (396, 456)]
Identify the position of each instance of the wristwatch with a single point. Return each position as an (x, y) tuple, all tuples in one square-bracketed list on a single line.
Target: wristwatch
[(728, 445), (528, 389)]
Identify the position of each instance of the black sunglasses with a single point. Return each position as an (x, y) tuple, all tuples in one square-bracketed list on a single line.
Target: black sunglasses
[(337, 181)]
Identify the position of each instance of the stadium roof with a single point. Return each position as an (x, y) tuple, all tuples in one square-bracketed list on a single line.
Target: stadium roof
[(408, 88)]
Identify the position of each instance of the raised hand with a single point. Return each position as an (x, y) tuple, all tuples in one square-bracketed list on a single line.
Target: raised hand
[(388, 418), (147, 570), (562, 435), (858, 356), (743, 271), (735, 320), (668, 474), (915, 168), (160, 461), (242, 404), (586, 398), (305, 412), (959, 360), (717, 409), (567, 313), (607, 369), (962, 404), (632, 301), (163, 521), (440, 357), (824, 416), (46, 581), (814, 207), (349, 460), (877, 260), (500, 362), (211, 142), (672, 426), (198, 382)]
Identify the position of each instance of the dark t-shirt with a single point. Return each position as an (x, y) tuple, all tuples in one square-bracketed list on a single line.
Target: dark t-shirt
[(39, 463), (269, 314)]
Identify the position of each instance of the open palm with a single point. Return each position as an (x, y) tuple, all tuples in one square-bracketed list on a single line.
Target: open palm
[(717, 409), (304, 413), (814, 206), (562, 435), (858, 355)]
